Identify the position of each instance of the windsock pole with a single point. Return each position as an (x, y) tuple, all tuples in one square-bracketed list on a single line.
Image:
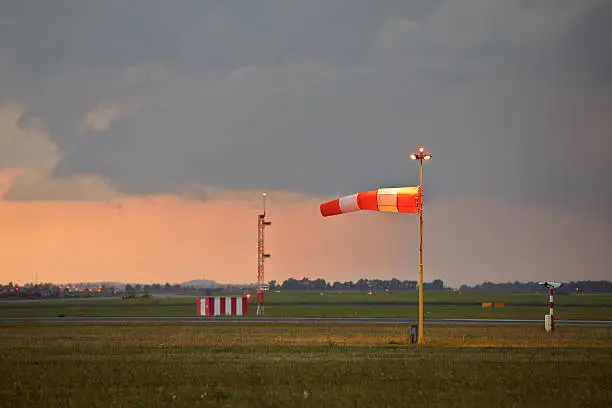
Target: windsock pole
[(420, 155)]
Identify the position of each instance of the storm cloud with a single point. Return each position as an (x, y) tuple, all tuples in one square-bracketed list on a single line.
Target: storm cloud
[(514, 98)]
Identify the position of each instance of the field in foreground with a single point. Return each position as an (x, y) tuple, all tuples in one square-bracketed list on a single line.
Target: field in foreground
[(186, 365)]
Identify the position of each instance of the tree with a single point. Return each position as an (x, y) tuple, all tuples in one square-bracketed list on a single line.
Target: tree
[(438, 284)]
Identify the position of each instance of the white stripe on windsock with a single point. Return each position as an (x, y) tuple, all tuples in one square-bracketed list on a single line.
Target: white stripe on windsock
[(349, 203), (388, 191), (387, 199)]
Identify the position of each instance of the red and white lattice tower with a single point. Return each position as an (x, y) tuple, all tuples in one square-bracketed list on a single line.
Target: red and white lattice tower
[(261, 256)]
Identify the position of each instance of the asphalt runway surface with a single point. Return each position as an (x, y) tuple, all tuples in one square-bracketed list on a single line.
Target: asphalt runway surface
[(363, 320)]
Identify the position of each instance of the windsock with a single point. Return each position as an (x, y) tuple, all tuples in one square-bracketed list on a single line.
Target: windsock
[(397, 199)]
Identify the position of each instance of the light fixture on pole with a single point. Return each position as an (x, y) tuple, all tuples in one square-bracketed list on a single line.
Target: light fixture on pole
[(420, 155), (550, 318)]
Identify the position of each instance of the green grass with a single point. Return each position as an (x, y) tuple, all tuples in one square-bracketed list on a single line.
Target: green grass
[(435, 297), (320, 365), (287, 304)]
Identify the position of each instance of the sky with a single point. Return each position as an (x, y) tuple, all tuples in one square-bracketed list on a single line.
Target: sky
[(136, 138)]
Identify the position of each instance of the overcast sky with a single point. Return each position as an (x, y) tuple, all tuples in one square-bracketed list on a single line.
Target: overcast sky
[(321, 98)]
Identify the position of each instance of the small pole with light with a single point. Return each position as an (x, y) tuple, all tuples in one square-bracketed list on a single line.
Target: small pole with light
[(420, 155), (551, 286)]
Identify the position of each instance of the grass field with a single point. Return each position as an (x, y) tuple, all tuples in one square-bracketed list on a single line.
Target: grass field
[(321, 365), (299, 304)]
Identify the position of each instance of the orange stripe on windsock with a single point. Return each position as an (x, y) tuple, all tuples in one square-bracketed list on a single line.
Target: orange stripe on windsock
[(408, 199), (368, 200), (331, 208)]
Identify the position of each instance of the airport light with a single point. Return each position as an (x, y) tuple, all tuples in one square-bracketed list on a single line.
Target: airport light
[(551, 294)]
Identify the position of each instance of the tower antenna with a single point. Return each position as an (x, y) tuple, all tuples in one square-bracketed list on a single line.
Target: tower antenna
[(261, 256)]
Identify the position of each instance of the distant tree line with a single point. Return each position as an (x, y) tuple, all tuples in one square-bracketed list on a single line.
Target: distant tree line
[(174, 288), (525, 287), (320, 284), (88, 289)]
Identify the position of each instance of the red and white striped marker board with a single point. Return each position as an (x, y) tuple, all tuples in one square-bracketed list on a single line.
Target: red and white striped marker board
[(222, 306)]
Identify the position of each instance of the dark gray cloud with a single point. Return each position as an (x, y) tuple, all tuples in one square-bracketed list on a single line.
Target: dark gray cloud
[(514, 98)]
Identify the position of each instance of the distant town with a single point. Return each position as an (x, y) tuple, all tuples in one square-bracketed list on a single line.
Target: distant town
[(32, 290)]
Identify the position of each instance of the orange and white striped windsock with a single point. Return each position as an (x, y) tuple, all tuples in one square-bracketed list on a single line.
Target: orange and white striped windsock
[(397, 199)]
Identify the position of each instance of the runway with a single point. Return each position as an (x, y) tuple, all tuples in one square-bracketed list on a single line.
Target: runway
[(271, 320)]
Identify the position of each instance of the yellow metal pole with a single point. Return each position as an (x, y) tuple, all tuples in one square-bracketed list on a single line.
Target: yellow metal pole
[(421, 337)]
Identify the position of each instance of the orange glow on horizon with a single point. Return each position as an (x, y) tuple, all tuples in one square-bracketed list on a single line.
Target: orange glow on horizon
[(172, 239)]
